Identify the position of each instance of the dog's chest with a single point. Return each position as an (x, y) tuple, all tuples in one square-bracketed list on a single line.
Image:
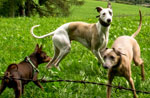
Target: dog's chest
[(101, 40), (102, 36)]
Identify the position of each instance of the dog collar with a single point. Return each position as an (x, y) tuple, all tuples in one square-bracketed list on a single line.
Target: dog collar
[(34, 68), (103, 23)]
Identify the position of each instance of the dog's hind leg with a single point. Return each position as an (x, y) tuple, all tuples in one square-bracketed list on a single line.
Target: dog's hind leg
[(62, 54), (18, 89), (137, 60), (62, 43), (3, 86), (54, 58)]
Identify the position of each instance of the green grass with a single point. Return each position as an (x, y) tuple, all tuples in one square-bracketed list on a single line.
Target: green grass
[(16, 43), (118, 9)]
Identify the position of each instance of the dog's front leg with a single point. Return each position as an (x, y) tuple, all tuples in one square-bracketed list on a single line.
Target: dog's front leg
[(130, 80), (22, 89), (37, 82), (3, 86), (110, 79), (95, 49), (98, 55)]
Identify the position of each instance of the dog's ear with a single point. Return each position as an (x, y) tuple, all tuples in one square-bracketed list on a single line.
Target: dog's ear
[(36, 48), (99, 9), (109, 5), (118, 52), (40, 49)]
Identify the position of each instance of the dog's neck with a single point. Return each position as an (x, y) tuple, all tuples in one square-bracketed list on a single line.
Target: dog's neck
[(102, 28), (33, 60), (103, 31)]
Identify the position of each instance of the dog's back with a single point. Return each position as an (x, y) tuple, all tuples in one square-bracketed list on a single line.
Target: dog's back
[(126, 45), (25, 70)]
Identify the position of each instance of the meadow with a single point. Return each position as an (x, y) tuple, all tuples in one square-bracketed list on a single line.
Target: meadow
[(16, 43)]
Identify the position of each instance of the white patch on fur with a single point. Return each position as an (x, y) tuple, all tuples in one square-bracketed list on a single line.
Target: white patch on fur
[(104, 34), (64, 26), (107, 14)]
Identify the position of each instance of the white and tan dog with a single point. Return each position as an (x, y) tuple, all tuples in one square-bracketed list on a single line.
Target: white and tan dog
[(92, 36), (118, 59)]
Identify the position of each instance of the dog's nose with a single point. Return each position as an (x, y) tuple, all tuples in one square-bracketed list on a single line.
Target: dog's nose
[(108, 20), (105, 66)]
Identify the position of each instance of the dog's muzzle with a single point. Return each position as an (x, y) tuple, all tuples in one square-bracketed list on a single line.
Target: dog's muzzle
[(105, 66), (108, 20)]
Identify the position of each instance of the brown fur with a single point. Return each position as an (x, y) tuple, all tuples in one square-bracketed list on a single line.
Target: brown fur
[(24, 70), (119, 59), (83, 30)]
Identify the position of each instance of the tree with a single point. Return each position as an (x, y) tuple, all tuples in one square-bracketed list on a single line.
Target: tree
[(12, 8)]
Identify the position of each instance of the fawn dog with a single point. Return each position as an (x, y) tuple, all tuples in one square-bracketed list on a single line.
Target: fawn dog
[(92, 36), (26, 69), (118, 59)]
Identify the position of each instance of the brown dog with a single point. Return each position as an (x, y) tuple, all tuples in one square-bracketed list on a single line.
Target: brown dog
[(26, 69), (118, 59)]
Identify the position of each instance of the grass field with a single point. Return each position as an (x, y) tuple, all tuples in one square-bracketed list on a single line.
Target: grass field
[(16, 43)]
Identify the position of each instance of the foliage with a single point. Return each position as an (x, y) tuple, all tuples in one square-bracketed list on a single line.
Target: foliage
[(80, 64), (12, 8)]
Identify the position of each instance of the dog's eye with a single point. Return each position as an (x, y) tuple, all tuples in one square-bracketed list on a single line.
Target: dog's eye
[(111, 57), (110, 13), (104, 14)]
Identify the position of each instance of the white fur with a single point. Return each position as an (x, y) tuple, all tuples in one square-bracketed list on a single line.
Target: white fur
[(62, 43)]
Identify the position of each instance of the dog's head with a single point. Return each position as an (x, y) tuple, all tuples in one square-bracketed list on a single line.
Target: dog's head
[(105, 14), (112, 58), (41, 55)]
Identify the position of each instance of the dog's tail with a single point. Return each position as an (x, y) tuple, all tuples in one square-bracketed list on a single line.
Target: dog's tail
[(8, 74), (140, 25), (49, 34)]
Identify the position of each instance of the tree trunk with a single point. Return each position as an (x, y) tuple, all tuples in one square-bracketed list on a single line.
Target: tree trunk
[(12, 10), (21, 10), (28, 7)]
